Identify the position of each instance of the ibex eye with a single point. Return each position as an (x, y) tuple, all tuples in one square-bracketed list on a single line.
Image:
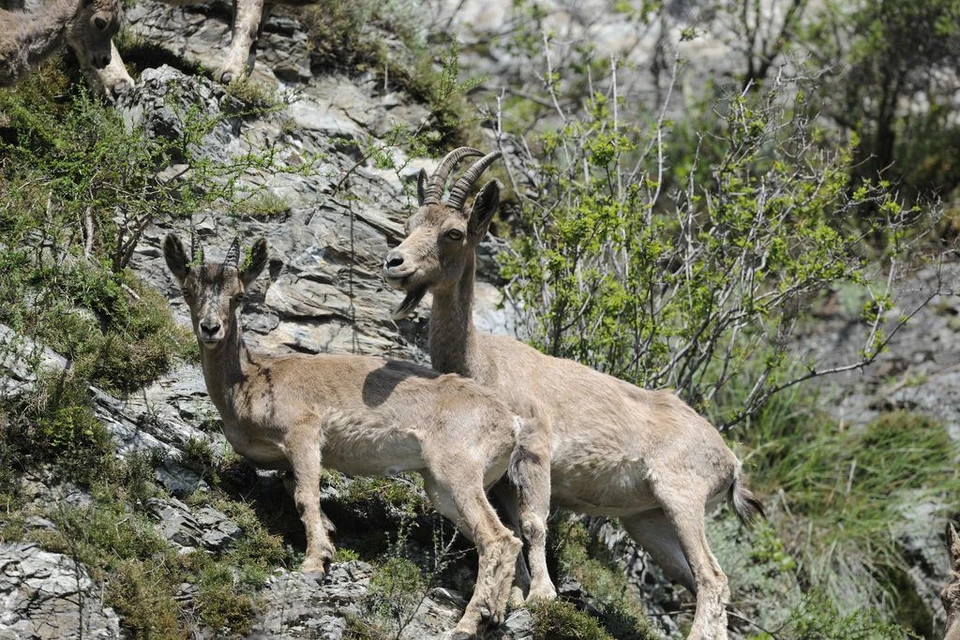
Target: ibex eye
[(101, 23), (455, 234)]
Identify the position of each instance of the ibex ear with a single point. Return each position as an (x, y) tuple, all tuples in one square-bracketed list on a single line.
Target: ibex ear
[(484, 206), (953, 544), (421, 187), (251, 268), (175, 256)]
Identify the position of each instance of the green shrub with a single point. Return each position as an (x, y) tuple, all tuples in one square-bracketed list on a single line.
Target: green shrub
[(609, 589), (223, 601), (559, 620), (817, 618), (143, 594), (689, 290)]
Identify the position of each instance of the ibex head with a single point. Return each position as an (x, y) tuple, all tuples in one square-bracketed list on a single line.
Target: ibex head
[(91, 30), (213, 290), (441, 238)]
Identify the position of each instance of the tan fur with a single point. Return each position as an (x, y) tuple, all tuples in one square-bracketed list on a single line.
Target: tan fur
[(249, 16), (28, 39), (950, 595), (359, 415), (615, 449)]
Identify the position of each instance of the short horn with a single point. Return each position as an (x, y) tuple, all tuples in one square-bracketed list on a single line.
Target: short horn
[(196, 251), (462, 188), (438, 180), (233, 253)]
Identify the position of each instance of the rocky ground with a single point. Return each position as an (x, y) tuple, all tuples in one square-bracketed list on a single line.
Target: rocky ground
[(324, 293)]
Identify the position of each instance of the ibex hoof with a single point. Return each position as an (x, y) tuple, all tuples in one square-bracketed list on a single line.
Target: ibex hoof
[(543, 592), (493, 618), (315, 568)]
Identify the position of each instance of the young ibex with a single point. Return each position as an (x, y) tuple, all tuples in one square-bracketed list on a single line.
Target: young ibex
[(615, 449), (950, 594), (27, 39), (359, 415)]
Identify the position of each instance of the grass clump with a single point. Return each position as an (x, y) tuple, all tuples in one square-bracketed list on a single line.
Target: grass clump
[(610, 591), (845, 478), (115, 538), (117, 332), (560, 620), (817, 618), (54, 423), (845, 492), (265, 205), (397, 587)]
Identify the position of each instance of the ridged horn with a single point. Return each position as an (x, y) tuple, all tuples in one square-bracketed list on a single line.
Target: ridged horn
[(438, 180), (196, 251), (233, 253), (463, 186)]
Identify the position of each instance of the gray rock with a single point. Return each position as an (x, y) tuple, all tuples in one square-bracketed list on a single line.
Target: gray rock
[(519, 625), (20, 358), (295, 606), (48, 595), (205, 528)]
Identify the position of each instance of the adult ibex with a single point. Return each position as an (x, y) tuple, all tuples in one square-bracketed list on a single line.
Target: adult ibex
[(29, 38), (615, 449), (950, 595), (359, 415), (249, 16)]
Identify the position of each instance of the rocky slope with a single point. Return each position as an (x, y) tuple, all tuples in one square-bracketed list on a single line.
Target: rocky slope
[(324, 293)]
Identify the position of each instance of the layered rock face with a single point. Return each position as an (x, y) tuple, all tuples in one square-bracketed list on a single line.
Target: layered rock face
[(325, 293)]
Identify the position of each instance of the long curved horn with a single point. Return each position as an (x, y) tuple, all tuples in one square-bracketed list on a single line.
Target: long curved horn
[(233, 253), (438, 180), (462, 188)]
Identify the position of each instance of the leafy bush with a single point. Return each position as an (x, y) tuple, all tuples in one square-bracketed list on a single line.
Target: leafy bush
[(683, 291)]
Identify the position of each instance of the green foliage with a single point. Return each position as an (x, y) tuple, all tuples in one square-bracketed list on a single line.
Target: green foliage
[(410, 566), (685, 292), (559, 620), (222, 601), (844, 492), (397, 588), (337, 39), (265, 206), (817, 618), (845, 478), (254, 96), (882, 61), (115, 538), (144, 597), (53, 423), (117, 332), (612, 596)]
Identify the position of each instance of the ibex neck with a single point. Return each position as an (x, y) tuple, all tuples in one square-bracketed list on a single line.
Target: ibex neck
[(225, 369), (44, 32), (453, 337)]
